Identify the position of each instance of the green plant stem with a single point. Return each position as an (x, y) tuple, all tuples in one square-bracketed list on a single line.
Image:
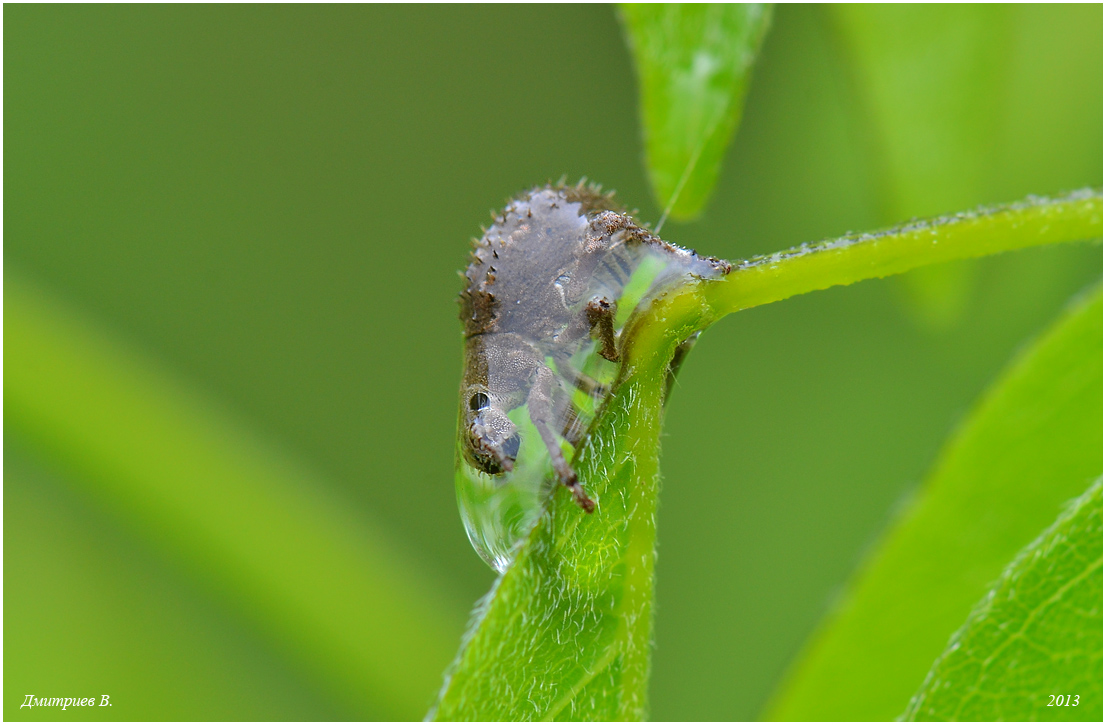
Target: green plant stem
[(1033, 222)]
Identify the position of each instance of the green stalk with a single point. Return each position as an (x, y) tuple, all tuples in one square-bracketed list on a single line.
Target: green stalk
[(852, 258)]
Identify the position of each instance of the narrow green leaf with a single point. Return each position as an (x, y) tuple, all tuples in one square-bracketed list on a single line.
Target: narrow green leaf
[(928, 80), (247, 523), (693, 64), (92, 609), (1032, 649), (1034, 441)]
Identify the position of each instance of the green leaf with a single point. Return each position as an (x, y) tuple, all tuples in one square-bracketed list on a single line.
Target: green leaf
[(693, 64), (1033, 442), (248, 524), (1032, 649), (97, 611), (929, 80)]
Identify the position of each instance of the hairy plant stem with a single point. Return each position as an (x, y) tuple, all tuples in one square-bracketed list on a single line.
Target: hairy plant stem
[(1033, 222)]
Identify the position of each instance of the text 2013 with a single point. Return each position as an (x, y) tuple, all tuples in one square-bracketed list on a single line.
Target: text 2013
[(1062, 700)]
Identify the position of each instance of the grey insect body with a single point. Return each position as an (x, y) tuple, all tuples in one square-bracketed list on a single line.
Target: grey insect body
[(543, 281)]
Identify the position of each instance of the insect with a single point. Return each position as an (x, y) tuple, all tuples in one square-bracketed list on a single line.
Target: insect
[(544, 282)]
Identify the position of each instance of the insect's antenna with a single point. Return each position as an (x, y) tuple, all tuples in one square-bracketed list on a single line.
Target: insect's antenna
[(687, 171), (680, 185)]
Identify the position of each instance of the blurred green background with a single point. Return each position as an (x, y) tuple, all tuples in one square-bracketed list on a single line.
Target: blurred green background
[(269, 206)]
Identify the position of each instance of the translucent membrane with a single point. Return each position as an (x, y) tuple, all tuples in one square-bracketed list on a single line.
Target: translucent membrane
[(538, 269)]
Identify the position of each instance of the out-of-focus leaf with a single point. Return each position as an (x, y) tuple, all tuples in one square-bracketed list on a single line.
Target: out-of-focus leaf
[(929, 81), (243, 519), (107, 616), (693, 64), (1034, 441), (928, 77), (1032, 649)]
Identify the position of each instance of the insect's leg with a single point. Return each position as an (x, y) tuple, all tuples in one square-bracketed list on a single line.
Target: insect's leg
[(540, 405), (587, 384), (677, 360), (572, 427), (598, 321), (600, 315), (581, 381)]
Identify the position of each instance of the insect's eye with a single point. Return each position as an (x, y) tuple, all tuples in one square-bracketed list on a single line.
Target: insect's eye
[(479, 401)]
